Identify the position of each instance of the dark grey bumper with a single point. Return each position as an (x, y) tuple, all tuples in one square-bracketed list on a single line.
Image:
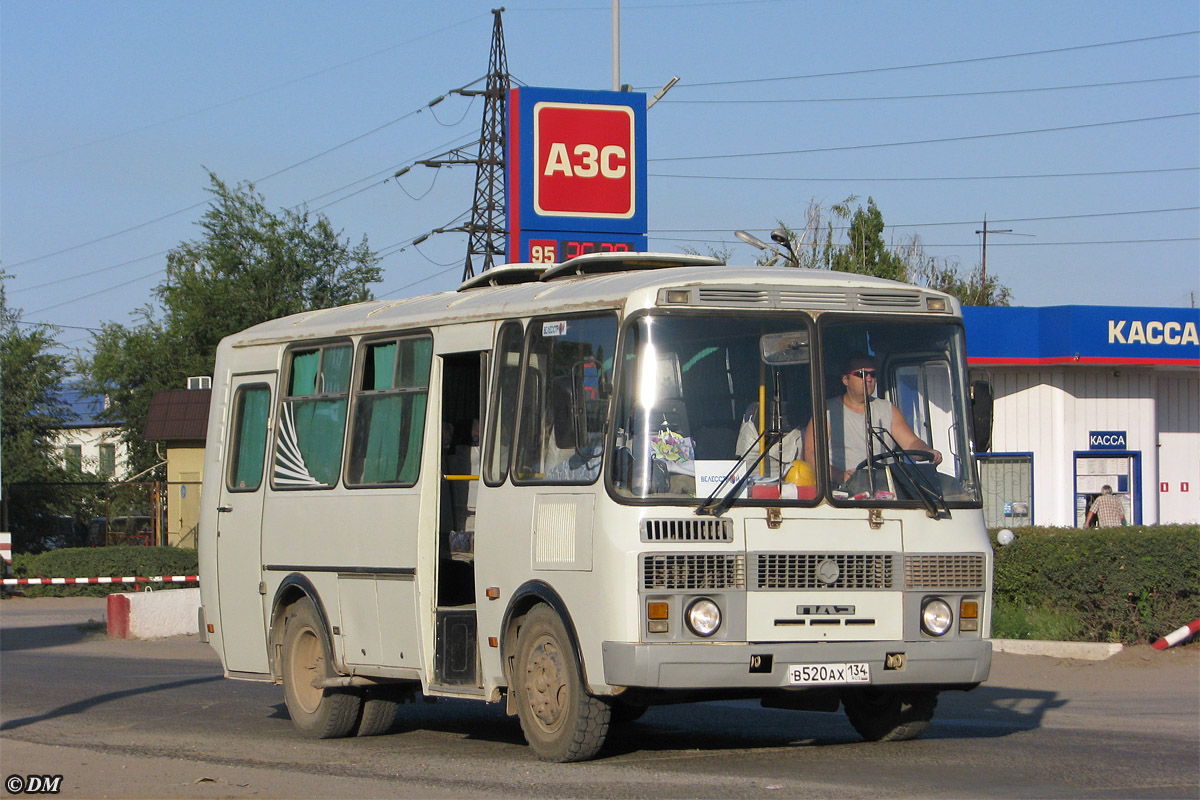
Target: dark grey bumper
[(715, 665)]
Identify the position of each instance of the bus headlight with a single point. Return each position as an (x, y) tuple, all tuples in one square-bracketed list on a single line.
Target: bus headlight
[(936, 617), (703, 617)]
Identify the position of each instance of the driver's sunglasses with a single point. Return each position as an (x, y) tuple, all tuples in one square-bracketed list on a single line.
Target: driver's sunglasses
[(863, 373)]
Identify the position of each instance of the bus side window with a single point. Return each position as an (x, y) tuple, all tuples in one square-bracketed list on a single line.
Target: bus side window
[(247, 450), (312, 420), (389, 412), (503, 415), (563, 412)]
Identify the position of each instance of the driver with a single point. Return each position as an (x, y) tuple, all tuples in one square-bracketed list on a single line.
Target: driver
[(847, 427)]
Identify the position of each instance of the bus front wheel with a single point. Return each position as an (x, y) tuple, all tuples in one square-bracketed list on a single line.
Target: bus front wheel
[(561, 721), (882, 715), (323, 713)]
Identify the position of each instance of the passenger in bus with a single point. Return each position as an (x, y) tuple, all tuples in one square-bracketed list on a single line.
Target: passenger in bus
[(785, 452), (847, 427)]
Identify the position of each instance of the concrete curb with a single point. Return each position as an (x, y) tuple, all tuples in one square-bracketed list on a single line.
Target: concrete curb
[(1085, 651), (153, 615)]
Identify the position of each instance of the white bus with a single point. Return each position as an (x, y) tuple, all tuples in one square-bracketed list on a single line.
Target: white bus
[(582, 489)]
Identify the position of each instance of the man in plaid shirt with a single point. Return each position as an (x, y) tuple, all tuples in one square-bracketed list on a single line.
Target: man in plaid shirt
[(1107, 507)]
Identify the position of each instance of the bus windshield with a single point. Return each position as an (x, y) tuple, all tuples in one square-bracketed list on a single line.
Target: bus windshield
[(720, 403), (697, 394), (916, 417)]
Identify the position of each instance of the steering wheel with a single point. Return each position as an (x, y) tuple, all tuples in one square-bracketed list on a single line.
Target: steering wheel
[(890, 458)]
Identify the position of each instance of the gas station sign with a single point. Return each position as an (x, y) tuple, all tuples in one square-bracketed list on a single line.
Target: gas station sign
[(576, 173)]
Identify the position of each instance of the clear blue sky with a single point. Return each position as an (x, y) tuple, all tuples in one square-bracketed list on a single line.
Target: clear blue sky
[(943, 112)]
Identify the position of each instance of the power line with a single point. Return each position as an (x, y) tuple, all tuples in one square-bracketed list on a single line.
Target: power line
[(925, 177), (933, 96), (164, 252), (88, 274), (99, 292), (249, 96), (972, 221), (1165, 240), (194, 206), (972, 137), (976, 60)]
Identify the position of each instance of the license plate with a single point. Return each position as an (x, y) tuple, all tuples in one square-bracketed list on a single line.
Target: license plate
[(808, 674)]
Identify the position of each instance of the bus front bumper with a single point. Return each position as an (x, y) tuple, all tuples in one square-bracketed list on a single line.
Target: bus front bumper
[(712, 665)]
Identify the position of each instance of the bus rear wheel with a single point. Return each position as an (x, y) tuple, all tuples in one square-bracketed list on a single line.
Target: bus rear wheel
[(883, 715), (561, 721), (322, 713)]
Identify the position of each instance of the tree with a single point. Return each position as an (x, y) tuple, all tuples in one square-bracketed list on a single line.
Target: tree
[(813, 244), (866, 253), (31, 414), (945, 276), (250, 265)]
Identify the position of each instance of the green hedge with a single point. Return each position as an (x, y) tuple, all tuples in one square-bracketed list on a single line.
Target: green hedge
[(1131, 584), (102, 562)]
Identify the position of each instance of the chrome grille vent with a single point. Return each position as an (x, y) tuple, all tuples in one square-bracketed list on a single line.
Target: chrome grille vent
[(734, 297), (687, 530), (801, 298), (889, 300), (693, 571), (810, 571), (944, 571)]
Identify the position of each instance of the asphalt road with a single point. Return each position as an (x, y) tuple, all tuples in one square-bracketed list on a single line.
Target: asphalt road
[(134, 719)]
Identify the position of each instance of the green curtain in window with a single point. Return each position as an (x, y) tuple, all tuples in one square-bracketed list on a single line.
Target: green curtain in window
[(320, 428), (382, 415), (411, 467), (383, 363), (251, 438), (335, 370), (304, 374), (413, 369)]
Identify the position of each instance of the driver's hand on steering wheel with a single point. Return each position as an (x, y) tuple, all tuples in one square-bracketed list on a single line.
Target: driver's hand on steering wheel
[(937, 456)]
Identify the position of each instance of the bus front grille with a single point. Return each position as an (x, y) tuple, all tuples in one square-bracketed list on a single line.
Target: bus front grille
[(663, 572), (939, 571), (697, 529), (823, 571)]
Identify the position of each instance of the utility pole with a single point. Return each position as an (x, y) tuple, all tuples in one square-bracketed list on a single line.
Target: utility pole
[(985, 232), (616, 45)]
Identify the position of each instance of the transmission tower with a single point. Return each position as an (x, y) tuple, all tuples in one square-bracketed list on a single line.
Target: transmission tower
[(487, 225), (486, 229)]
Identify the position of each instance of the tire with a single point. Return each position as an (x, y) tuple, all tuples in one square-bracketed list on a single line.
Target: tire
[(625, 713), (881, 715), (561, 721), (307, 657), (379, 707)]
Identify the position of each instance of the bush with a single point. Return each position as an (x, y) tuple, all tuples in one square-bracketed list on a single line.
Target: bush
[(1131, 585), (103, 562)]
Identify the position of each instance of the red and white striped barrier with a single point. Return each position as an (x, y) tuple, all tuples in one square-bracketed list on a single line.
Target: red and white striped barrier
[(136, 579), (6, 547), (1176, 636)]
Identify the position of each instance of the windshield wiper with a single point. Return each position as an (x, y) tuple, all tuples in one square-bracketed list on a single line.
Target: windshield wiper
[(772, 438), (927, 493)]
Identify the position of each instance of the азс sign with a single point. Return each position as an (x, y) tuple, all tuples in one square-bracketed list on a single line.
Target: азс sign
[(583, 161), (576, 173)]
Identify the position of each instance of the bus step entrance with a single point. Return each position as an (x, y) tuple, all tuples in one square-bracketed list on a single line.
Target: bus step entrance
[(455, 660)]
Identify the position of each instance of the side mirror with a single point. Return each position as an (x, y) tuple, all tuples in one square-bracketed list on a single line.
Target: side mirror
[(982, 401)]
